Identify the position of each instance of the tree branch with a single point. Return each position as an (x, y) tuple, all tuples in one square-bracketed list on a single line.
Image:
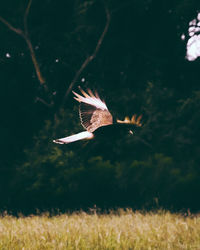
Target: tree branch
[(89, 58), (18, 31), (49, 105), (35, 62), (24, 34), (26, 17)]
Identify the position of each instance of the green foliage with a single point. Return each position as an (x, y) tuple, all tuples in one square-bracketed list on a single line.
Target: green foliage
[(138, 171), (134, 71)]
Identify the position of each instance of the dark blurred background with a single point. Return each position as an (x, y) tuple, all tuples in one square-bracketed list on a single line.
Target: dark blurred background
[(139, 66)]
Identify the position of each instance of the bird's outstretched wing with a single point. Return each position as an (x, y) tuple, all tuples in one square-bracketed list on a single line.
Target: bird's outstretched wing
[(93, 111)]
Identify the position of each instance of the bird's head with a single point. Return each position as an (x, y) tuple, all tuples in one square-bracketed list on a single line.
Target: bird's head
[(131, 124)]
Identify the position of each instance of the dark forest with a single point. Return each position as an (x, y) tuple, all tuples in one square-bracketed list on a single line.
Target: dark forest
[(134, 54)]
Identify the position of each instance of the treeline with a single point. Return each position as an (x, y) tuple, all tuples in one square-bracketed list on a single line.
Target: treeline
[(133, 55), (156, 167)]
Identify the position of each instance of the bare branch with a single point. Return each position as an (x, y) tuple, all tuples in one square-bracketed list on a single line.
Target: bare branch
[(25, 35), (89, 58), (103, 33), (26, 17), (30, 46), (49, 105), (35, 62), (18, 31)]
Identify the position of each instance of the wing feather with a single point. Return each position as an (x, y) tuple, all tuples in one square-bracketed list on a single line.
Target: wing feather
[(93, 111)]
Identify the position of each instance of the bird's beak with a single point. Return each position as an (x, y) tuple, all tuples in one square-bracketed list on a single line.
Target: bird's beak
[(131, 132)]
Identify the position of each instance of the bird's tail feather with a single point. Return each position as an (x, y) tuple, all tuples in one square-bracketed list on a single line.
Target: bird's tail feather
[(76, 137)]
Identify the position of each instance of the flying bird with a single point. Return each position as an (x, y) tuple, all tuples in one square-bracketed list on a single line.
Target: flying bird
[(98, 121)]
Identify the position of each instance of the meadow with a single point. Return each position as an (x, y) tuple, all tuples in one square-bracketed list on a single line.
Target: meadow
[(121, 229)]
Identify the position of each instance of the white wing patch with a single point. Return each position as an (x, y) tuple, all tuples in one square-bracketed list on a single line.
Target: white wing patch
[(90, 99), (76, 137)]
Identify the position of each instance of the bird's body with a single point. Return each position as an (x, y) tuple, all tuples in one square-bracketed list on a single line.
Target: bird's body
[(98, 121), (114, 130)]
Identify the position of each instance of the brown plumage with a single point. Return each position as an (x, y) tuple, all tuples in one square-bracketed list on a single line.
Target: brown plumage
[(97, 120)]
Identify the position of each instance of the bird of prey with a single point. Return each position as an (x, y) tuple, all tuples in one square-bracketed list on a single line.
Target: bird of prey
[(97, 120)]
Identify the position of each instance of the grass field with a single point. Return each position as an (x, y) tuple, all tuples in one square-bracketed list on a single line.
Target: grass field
[(116, 230)]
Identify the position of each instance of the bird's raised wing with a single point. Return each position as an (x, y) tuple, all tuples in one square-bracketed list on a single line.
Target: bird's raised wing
[(93, 111)]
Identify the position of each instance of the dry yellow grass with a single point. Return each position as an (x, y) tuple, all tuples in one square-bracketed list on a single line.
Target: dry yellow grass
[(120, 230)]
